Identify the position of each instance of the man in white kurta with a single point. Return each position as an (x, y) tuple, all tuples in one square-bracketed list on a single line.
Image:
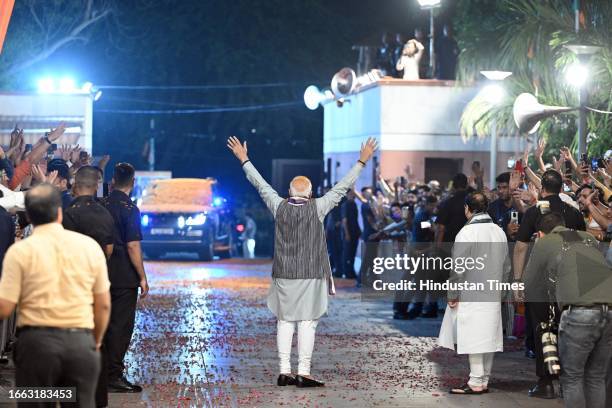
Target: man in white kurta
[(298, 294), (472, 320)]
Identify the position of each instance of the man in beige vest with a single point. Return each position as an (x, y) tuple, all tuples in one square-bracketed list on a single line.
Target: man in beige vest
[(301, 270), (59, 282)]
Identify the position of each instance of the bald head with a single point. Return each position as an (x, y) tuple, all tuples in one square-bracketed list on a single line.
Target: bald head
[(43, 204), (300, 186)]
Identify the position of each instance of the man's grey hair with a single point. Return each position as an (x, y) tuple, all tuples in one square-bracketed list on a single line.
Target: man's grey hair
[(300, 186)]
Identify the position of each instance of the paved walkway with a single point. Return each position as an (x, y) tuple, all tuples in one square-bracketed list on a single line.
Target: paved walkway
[(205, 338)]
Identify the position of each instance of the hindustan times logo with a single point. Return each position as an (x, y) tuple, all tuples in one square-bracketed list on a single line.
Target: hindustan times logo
[(413, 264)]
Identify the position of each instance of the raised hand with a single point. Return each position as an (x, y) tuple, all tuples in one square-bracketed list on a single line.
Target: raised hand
[(515, 180), (15, 135), (239, 150), (57, 132), (104, 161), (38, 173), (75, 152), (539, 151), (367, 149), (525, 156), (64, 152), (51, 177)]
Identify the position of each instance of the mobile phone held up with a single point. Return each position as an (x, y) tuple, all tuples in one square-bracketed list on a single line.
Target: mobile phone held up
[(514, 217), (519, 166), (597, 163)]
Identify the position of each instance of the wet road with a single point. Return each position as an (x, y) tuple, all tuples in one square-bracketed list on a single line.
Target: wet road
[(205, 338)]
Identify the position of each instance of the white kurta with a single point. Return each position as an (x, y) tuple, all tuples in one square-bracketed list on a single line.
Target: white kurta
[(476, 326)]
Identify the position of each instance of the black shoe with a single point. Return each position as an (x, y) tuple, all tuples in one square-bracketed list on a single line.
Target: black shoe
[(121, 384), (304, 382), (543, 390), (431, 314), (284, 380), (400, 316), (530, 354)]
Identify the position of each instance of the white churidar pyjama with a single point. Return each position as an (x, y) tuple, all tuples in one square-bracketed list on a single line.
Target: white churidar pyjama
[(480, 369), (306, 338)]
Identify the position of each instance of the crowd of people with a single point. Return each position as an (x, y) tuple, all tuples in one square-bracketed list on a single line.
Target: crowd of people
[(534, 206), (68, 241), (410, 59)]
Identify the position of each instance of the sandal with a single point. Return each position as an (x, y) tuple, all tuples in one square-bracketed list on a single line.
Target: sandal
[(465, 390)]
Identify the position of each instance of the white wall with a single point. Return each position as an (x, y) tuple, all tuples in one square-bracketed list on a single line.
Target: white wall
[(36, 113), (404, 116)]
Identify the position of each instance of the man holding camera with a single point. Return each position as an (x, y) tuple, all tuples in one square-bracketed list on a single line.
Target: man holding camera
[(582, 286), (539, 311)]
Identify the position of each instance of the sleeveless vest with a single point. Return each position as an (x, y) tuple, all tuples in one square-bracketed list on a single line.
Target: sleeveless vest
[(300, 249)]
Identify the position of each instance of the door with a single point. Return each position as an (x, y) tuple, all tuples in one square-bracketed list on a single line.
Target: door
[(442, 169)]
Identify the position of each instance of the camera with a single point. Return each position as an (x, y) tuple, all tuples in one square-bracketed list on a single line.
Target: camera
[(549, 349)]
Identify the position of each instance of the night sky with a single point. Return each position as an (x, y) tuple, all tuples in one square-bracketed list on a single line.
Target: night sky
[(185, 43)]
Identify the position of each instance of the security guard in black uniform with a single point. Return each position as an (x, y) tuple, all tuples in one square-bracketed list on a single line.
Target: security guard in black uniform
[(126, 273), (87, 216)]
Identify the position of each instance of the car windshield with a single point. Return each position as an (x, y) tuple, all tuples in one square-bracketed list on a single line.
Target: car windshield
[(178, 195)]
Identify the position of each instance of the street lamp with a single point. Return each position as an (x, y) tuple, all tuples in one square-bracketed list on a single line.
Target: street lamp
[(494, 93), (431, 5), (577, 75)]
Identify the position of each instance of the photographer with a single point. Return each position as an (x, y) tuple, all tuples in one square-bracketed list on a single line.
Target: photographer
[(422, 240), (539, 311), (583, 291)]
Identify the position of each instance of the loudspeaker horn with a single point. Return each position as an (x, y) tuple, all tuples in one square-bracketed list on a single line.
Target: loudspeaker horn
[(528, 112), (344, 82)]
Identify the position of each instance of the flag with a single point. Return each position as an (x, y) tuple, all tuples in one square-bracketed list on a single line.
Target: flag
[(6, 9)]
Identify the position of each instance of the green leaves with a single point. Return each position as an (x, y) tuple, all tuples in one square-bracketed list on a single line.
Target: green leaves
[(528, 37)]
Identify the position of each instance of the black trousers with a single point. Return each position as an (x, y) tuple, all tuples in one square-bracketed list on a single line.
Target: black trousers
[(529, 337), (120, 328), (102, 387), (349, 250), (334, 248), (57, 358), (370, 251), (539, 312)]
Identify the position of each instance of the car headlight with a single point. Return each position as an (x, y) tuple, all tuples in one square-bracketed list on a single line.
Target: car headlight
[(199, 219), (144, 220)]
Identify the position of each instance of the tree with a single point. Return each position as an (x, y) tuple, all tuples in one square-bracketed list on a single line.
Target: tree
[(40, 29), (527, 37)]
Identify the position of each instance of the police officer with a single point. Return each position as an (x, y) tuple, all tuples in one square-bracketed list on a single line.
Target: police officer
[(127, 274), (87, 216)]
